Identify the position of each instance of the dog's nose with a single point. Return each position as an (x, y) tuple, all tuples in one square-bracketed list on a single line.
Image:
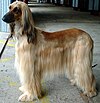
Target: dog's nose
[(4, 18), (8, 17)]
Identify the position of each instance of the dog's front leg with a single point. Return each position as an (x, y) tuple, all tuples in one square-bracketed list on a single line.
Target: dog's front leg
[(31, 90), (31, 83)]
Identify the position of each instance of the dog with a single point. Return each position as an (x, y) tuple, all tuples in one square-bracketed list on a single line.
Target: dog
[(39, 53)]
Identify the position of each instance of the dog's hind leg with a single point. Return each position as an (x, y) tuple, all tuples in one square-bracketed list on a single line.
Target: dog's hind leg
[(83, 73)]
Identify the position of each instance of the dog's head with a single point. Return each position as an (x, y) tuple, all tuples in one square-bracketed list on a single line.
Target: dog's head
[(20, 12), (15, 12)]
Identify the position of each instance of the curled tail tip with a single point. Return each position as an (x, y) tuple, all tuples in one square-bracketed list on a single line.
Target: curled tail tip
[(94, 65)]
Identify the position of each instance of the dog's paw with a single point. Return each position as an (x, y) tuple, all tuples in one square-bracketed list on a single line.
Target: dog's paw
[(26, 97), (22, 89), (91, 93), (72, 82)]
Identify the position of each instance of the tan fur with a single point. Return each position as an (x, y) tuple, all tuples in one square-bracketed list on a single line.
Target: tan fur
[(38, 53)]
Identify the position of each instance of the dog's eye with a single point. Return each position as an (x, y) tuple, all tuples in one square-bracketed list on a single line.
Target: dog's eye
[(15, 9), (9, 7)]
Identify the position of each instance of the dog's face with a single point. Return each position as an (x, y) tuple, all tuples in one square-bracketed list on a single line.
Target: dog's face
[(15, 12), (20, 15)]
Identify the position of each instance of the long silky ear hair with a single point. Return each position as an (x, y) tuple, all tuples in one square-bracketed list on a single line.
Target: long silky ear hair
[(12, 27), (28, 24)]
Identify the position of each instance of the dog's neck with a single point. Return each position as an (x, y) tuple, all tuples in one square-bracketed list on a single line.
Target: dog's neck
[(17, 29), (18, 33), (18, 25)]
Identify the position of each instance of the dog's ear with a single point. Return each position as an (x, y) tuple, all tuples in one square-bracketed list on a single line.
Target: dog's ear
[(12, 27), (28, 24)]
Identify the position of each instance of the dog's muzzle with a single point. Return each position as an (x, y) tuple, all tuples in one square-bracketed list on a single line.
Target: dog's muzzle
[(8, 17)]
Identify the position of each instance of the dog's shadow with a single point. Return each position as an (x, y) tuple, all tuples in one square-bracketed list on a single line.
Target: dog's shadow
[(56, 85), (97, 73)]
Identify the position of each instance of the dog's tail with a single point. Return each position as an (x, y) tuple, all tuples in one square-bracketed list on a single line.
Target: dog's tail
[(94, 65)]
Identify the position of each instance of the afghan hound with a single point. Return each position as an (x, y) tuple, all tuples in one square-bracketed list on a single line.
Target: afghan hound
[(39, 53)]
